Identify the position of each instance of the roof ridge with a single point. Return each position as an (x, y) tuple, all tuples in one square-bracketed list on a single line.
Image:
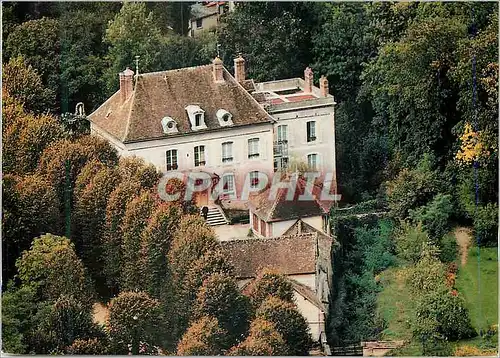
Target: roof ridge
[(147, 74)]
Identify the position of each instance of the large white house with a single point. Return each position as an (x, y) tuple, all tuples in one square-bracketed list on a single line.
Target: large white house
[(204, 119)]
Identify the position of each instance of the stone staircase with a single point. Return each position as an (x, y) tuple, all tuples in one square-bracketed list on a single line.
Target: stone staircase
[(216, 216)]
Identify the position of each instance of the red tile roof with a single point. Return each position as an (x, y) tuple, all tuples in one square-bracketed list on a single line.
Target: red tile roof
[(280, 208), (300, 98)]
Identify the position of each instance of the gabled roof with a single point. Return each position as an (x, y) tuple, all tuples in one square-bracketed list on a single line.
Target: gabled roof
[(308, 294), (160, 94), (293, 255), (280, 208)]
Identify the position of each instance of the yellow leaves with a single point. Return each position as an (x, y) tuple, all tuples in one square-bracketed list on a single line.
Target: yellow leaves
[(473, 351), (473, 146)]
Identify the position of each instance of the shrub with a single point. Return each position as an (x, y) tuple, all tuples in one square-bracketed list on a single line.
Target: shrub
[(486, 223), (410, 241), (448, 248), (441, 313), (411, 188), (429, 273), (435, 216)]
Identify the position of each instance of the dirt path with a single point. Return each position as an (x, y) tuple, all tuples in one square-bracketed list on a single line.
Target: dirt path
[(464, 239), (100, 313)]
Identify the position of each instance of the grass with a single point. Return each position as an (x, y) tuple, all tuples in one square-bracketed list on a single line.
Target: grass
[(483, 309), (394, 305)]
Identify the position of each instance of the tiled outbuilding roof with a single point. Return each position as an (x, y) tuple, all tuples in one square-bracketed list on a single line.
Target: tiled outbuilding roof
[(280, 208), (293, 255), (160, 94)]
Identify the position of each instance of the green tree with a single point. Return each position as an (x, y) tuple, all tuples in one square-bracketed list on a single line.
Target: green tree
[(69, 320), (91, 346), (203, 337), (289, 323), (25, 137), (280, 41), (42, 51), (210, 263), (263, 340), (412, 188), (135, 318), (410, 240), (429, 273), (30, 208), (156, 242), (435, 216), (51, 266), (270, 282), (220, 297), (441, 314), (24, 83), (19, 306), (112, 236), (89, 219), (137, 213), (131, 33), (77, 153)]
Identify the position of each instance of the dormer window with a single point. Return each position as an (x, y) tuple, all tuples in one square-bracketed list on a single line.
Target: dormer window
[(169, 125), (225, 118), (196, 117)]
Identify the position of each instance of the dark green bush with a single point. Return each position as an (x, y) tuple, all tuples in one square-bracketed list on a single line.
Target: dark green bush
[(449, 248)]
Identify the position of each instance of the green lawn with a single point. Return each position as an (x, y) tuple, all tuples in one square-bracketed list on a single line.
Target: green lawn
[(483, 309), (395, 304)]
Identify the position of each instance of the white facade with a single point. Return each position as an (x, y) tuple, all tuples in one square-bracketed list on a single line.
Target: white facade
[(278, 228), (155, 151)]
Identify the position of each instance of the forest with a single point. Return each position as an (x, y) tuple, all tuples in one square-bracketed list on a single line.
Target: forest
[(416, 86)]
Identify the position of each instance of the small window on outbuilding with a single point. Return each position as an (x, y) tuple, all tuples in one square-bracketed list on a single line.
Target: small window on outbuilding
[(199, 23)]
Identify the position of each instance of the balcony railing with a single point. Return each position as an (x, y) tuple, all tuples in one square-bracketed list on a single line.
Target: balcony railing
[(281, 148)]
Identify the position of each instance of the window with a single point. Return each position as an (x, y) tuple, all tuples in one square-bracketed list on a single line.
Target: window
[(199, 23), (254, 179), (197, 119), (228, 183), (312, 161), (311, 131), (253, 148), (282, 133), (199, 155), (227, 152), (172, 159), (255, 223), (263, 228)]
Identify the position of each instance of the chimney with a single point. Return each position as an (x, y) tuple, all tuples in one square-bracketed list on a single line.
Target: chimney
[(218, 70), (239, 69), (323, 86), (126, 84), (308, 78)]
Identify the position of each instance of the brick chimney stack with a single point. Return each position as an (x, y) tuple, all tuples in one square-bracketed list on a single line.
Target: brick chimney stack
[(126, 84), (218, 70), (323, 86), (239, 69), (308, 78)]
